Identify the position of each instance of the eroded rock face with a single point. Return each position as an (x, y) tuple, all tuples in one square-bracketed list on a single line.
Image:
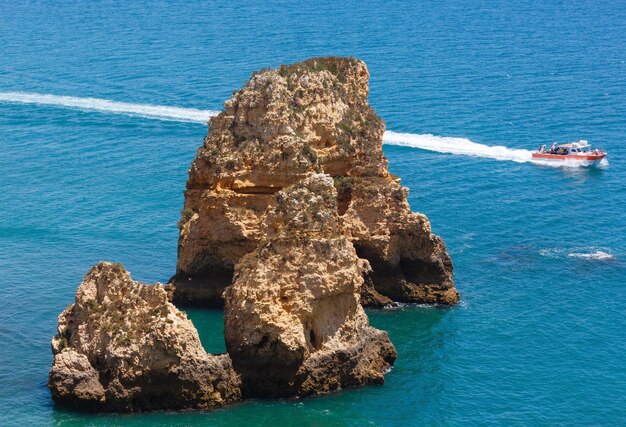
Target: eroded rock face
[(293, 320), (409, 262), (281, 126), (122, 346)]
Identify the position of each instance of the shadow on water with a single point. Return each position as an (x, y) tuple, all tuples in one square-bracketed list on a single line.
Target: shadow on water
[(210, 325), (422, 336), (584, 174), (419, 333)]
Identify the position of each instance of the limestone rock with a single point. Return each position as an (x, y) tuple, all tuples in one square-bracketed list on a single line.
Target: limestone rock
[(294, 325), (123, 346), (409, 263), (281, 126)]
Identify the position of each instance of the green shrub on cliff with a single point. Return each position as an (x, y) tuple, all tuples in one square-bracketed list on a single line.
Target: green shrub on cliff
[(333, 64), (185, 216), (344, 183)]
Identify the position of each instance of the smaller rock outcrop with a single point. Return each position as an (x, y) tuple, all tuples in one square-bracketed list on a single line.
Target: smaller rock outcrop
[(294, 325), (122, 346), (409, 262)]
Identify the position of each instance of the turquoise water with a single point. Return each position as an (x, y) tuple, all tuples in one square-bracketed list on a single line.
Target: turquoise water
[(539, 252)]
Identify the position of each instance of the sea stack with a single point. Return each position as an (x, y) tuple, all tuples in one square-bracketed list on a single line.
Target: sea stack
[(292, 223), (294, 324), (283, 125), (122, 346)]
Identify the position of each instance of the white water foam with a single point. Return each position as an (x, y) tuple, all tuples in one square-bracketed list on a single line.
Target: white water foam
[(593, 256), (451, 145), (588, 253), (106, 106), (440, 144)]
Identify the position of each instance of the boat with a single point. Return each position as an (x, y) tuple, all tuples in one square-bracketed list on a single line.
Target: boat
[(579, 153)]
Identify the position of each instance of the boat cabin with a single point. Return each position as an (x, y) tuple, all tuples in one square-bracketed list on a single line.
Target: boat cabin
[(576, 148)]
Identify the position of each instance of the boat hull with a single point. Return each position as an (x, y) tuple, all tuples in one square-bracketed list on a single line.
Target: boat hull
[(582, 160)]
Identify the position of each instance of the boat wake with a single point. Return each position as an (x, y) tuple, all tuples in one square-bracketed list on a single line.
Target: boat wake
[(439, 144), (593, 256), (588, 254), (462, 146), (149, 111)]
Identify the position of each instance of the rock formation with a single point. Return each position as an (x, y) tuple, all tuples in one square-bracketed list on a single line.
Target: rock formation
[(293, 320), (123, 346), (281, 126), (292, 219)]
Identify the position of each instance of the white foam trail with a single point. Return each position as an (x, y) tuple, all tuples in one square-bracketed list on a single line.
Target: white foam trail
[(463, 146), (589, 253), (104, 105), (594, 256)]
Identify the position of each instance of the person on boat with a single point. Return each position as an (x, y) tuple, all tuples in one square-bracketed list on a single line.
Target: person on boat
[(553, 148)]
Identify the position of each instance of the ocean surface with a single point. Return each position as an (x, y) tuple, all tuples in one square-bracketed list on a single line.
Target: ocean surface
[(102, 107)]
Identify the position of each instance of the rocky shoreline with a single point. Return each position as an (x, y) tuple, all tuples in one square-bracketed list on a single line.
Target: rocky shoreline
[(292, 223)]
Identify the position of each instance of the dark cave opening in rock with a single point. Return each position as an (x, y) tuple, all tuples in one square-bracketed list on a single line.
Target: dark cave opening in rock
[(420, 271), (313, 338), (344, 198)]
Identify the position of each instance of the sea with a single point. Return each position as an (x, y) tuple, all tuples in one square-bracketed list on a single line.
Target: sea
[(103, 105)]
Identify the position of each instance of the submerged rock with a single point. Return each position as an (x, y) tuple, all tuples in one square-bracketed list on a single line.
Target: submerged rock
[(283, 125), (122, 346), (294, 325)]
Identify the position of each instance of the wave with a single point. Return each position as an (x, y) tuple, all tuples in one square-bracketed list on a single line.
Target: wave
[(440, 144), (589, 253), (150, 111), (593, 256)]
